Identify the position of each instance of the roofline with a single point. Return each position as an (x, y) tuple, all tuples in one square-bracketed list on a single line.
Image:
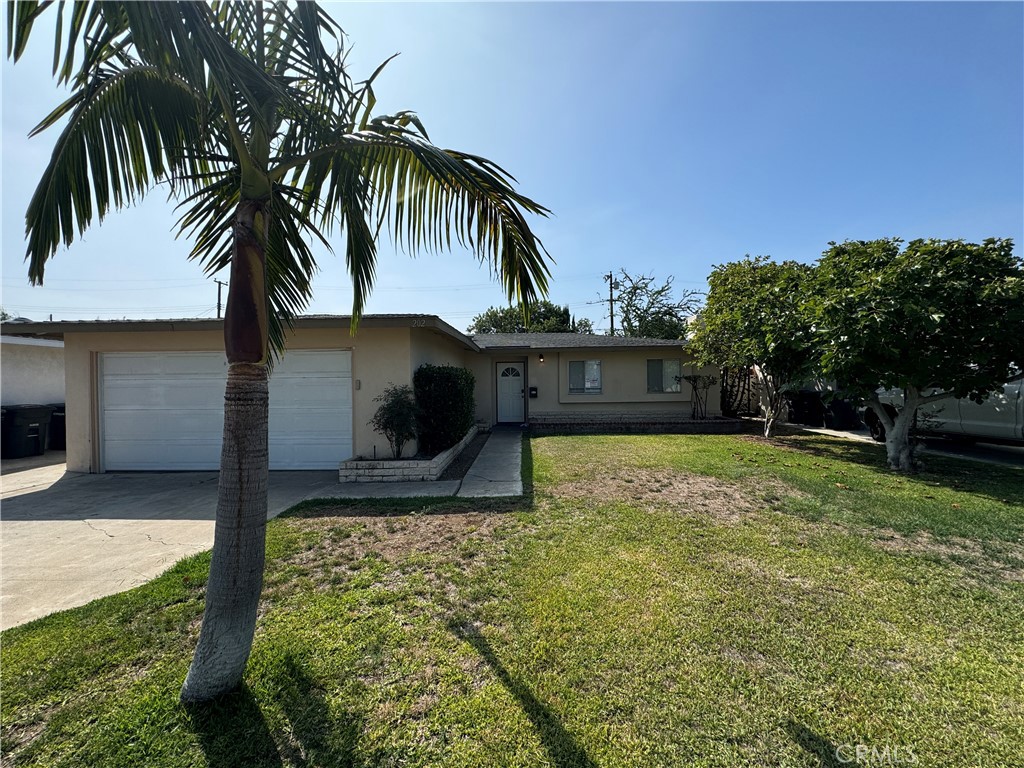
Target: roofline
[(559, 347), (31, 341), (607, 342), (57, 330)]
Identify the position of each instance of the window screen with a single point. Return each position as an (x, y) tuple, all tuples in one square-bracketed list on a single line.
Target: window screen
[(584, 377), (663, 376)]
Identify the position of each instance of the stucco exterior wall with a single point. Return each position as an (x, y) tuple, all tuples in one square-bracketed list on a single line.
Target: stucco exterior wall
[(31, 371), (380, 356), (434, 348), (624, 382)]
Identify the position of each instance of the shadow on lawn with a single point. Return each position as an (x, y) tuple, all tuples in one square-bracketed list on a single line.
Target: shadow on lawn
[(992, 480), (827, 753), (234, 732), (561, 747)]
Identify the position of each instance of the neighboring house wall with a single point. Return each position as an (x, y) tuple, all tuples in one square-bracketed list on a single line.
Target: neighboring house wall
[(31, 371)]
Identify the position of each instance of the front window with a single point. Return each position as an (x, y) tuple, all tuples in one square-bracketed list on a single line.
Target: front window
[(664, 376), (584, 377)]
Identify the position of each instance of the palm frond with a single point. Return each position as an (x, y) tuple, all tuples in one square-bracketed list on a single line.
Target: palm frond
[(424, 194), (126, 131)]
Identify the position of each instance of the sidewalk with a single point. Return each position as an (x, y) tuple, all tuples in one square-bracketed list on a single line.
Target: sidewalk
[(496, 472)]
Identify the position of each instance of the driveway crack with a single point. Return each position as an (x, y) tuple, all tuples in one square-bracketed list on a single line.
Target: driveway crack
[(98, 529)]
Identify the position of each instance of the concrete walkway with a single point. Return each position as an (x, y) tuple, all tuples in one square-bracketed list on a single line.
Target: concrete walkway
[(496, 472)]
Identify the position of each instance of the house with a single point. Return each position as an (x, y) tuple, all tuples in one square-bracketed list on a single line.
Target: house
[(148, 394)]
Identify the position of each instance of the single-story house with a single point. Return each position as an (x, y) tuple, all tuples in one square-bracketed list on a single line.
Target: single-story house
[(148, 394)]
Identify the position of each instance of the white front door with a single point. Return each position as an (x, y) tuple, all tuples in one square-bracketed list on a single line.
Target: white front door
[(511, 390)]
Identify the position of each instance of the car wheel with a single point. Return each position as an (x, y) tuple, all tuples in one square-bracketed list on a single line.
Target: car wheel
[(877, 429)]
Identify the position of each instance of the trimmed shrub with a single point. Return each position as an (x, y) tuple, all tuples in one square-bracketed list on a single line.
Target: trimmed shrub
[(396, 416), (447, 408)]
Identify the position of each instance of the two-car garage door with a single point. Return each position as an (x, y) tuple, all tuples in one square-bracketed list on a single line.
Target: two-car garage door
[(165, 411)]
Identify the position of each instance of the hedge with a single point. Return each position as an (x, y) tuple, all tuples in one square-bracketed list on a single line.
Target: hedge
[(447, 408)]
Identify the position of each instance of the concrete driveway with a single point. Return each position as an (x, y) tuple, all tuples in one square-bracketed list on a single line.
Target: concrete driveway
[(68, 538)]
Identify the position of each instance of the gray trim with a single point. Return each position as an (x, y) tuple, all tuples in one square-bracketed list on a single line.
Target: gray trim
[(559, 341)]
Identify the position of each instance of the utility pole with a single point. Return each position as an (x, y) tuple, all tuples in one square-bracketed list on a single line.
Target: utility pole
[(220, 284), (612, 285)]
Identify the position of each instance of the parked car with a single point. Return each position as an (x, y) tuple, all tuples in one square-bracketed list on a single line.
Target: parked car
[(999, 419)]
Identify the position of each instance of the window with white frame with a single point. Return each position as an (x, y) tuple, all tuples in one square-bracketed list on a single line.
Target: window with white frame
[(584, 377), (664, 376)]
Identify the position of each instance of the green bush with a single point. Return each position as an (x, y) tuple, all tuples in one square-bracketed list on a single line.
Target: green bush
[(444, 395), (396, 416)]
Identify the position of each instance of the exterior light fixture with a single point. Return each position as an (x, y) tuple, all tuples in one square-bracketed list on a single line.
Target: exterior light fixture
[(541, 356)]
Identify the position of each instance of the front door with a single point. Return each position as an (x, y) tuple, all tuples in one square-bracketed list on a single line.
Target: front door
[(511, 388)]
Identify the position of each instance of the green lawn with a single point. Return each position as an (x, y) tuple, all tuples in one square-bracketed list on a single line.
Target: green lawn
[(655, 600)]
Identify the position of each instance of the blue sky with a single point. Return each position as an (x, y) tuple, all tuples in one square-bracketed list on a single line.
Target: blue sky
[(665, 138)]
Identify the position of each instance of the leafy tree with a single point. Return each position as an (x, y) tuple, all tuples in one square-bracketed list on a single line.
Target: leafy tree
[(755, 317), (4, 314), (246, 113), (938, 319), (395, 417), (544, 317), (651, 311)]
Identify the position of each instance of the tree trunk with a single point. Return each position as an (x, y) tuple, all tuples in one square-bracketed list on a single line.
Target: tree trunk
[(239, 543), (236, 570), (898, 451), (771, 399)]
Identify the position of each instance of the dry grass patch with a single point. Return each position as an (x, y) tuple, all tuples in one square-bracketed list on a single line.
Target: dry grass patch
[(1004, 561), (694, 494)]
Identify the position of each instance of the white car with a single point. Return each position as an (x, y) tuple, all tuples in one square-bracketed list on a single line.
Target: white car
[(999, 419)]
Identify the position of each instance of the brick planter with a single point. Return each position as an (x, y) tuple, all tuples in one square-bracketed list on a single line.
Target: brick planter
[(631, 424), (402, 470)]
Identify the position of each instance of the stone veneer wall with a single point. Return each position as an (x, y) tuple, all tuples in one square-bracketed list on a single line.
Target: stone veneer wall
[(402, 470)]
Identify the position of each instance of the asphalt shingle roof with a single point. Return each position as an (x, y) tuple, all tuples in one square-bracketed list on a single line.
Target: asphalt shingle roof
[(565, 341)]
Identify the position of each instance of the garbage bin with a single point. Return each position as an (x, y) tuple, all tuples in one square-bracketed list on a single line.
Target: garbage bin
[(806, 407), (841, 415), (57, 440), (25, 435)]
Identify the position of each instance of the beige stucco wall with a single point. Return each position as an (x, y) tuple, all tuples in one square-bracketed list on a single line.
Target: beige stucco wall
[(624, 382), (383, 356), (31, 372), (432, 347), (380, 356)]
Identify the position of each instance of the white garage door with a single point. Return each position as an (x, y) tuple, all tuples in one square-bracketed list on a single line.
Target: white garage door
[(166, 411)]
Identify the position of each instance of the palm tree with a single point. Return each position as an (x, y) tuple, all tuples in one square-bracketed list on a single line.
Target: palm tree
[(267, 144)]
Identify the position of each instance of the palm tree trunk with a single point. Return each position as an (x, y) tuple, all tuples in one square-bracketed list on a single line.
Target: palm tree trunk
[(239, 543), (236, 570)]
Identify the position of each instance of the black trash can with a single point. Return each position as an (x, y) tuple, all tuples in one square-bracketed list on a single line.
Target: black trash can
[(841, 415), (27, 427), (57, 440), (806, 407)]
